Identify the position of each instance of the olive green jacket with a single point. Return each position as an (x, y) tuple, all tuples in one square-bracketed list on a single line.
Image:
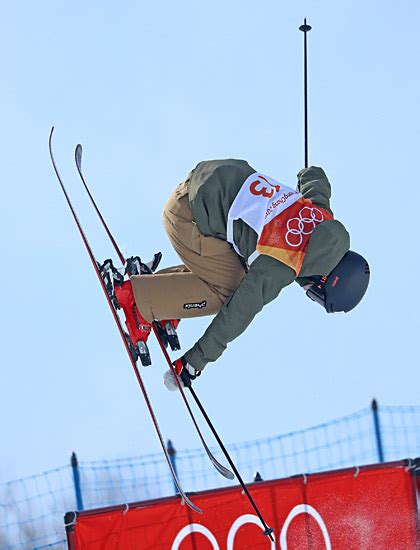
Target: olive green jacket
[(213, 187)]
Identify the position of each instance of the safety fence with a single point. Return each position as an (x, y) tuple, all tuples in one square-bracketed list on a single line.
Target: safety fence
[(32, 508)]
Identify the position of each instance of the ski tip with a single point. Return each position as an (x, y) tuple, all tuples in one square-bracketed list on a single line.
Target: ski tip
[(50, 143), (78, 155)]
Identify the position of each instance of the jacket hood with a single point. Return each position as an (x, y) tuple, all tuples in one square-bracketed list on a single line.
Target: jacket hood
[(327, 245)]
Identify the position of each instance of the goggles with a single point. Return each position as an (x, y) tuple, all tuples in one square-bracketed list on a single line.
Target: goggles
[(316, 294)]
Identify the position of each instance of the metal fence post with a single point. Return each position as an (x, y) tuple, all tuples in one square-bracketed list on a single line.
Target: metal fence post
[(378, 435), (76, 480), (172, 456)]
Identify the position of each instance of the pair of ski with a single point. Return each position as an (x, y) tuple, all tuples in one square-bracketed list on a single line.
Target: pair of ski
[(129, 345)]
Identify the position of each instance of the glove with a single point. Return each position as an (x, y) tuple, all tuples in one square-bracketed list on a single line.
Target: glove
[(185, 372)]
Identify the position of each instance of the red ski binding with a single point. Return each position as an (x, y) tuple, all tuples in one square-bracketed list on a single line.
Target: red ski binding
[(121, 294)]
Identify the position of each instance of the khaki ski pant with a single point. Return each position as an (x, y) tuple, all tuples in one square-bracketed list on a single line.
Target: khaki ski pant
[(210, 272)]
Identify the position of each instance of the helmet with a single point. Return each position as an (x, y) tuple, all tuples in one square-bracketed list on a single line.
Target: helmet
[(344, 287)]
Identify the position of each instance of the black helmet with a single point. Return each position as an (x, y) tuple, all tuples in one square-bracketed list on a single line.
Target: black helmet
[(344, 287)]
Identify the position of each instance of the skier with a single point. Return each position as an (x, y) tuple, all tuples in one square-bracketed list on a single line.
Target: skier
[(243, 237)]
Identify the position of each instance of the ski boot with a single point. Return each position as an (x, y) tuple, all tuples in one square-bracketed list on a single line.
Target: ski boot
[(138, 328), (120, 293), (167, 328)]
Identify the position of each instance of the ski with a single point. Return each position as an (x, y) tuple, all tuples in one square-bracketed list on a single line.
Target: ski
[(78, 154), (124, 336)]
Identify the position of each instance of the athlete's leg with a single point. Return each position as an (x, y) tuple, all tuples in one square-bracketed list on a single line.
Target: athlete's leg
[(174, 296), (210, 273)]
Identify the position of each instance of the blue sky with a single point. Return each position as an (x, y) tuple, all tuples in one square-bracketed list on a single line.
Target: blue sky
[(151, 89)]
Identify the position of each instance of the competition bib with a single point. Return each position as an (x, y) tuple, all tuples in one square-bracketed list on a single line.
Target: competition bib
[(281, 217)]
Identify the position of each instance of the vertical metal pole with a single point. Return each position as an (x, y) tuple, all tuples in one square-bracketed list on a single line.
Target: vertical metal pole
[(76, 480), (305, 29), (377, 426), (172, 457)]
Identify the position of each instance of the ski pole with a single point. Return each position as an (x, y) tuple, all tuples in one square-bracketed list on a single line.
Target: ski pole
[(267, 530), (305, 29)]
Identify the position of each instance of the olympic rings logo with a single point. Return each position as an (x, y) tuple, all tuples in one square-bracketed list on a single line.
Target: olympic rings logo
[(250, 518), (304, 224)]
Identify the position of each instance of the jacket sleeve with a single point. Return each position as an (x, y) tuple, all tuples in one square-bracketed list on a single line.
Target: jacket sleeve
[(314, 185), (263, 282)]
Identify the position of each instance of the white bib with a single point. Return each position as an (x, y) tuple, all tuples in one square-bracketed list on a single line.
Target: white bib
[(259, 200)]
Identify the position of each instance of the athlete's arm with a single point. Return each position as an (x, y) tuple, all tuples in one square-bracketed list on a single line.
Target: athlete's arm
[(314, 185), (263, 282)]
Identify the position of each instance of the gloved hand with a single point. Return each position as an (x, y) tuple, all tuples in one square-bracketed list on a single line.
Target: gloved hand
[(185, 372)]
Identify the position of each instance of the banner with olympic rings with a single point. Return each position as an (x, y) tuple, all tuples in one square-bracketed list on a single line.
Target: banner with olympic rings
[(369, 508)]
